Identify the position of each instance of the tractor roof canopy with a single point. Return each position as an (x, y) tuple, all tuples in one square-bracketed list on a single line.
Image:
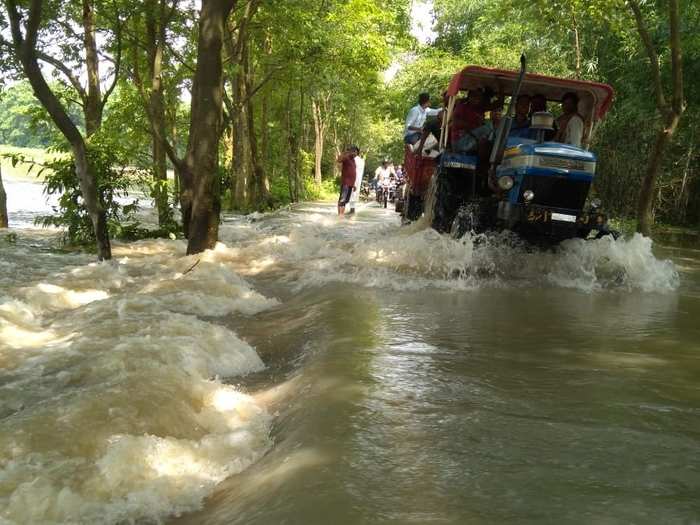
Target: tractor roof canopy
[(595, 98)]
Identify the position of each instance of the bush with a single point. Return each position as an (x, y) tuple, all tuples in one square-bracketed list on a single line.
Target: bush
[(112, 186)]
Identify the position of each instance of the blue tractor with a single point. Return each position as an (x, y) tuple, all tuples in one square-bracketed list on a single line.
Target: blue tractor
[(528, 183)]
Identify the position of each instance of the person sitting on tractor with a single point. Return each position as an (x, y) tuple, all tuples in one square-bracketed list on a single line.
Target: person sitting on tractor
[(469, 132), (538, 103), (570, 123), (416, 118), (520, 127), (468, 127), (468, 115), (432, 126)]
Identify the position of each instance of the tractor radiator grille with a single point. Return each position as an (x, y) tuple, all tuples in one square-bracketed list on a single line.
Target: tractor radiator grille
[(556, 192)]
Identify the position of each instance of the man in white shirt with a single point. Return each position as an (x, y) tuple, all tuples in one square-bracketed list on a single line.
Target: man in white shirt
[(360, 171), (383, 172), (570, 123), (416, 118)]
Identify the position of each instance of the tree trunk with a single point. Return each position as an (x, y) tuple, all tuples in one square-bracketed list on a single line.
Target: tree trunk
[(176, 178), (577, 45), (647, 192), (205, 127), (319, 137), (291, 149), (240, 162), (670, 113), (264, 179), (4, 222), (682, 201), (25, 48), (301, 126), (93, 102), (155, 42), (258, 185)]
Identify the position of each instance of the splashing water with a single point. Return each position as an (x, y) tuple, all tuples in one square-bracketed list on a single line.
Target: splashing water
[(413, 257), (111, 397), (111, 407)]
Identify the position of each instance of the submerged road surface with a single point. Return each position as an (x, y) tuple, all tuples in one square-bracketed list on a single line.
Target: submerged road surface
[(313, 371)]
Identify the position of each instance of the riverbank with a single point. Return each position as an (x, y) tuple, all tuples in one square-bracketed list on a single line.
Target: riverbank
[(23, 171)]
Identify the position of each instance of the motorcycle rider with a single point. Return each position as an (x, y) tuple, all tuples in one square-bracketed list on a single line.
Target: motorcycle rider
[(381, 178)]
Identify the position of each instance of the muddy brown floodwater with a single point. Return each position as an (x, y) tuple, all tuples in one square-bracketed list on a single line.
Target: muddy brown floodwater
[(312, 371)]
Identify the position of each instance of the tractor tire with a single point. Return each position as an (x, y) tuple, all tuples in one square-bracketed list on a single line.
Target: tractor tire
[(448, 199), (413, 207)]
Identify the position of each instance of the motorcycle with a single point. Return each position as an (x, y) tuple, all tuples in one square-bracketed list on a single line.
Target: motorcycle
[(387, 193), (364, 190)]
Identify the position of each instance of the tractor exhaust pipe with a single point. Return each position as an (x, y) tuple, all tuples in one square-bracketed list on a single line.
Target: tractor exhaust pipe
[(501, 138)]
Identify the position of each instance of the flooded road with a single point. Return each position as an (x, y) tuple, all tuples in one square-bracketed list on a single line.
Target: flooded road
[(310, 371)]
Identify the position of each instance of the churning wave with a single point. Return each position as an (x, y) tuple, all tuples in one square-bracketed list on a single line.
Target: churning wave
[(113, 394), (110, 398), (321, 250)]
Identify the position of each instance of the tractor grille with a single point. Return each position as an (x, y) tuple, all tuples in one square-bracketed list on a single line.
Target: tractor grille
[(556, 192)]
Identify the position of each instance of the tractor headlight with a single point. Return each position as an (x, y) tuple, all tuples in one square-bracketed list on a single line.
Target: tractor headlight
[(505, 182), (595, 203), (528, 195)]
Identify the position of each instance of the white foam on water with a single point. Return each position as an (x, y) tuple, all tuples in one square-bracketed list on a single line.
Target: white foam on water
[(310, 252), (110, 397), (112, 406)]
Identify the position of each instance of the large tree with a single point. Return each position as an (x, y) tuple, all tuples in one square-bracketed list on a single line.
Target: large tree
[(26, 25), (201, 163), (149, 45), (670, 108)]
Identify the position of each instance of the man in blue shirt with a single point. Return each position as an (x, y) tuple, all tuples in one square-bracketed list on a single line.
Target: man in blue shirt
[(521, 123)]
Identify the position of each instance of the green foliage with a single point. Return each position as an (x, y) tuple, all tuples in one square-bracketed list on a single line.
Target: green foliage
[(494, 32), (113, 187), (24, 122), (336, 51)]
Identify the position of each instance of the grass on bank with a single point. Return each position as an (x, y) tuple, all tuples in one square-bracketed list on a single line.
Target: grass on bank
[(23, 171)]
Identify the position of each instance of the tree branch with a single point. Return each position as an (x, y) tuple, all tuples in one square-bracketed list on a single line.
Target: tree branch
[(63, 68), (33, 23), (179, 58), (651, 54), (169, 149), (117, 61), (14, 16), (676, 60)]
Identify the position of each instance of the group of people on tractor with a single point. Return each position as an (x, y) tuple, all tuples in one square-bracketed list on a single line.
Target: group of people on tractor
[(472, 149), (477, 164), (471, 132)]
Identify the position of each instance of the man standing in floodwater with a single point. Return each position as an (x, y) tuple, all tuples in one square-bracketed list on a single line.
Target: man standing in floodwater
[(359, 173), (347, 177)]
